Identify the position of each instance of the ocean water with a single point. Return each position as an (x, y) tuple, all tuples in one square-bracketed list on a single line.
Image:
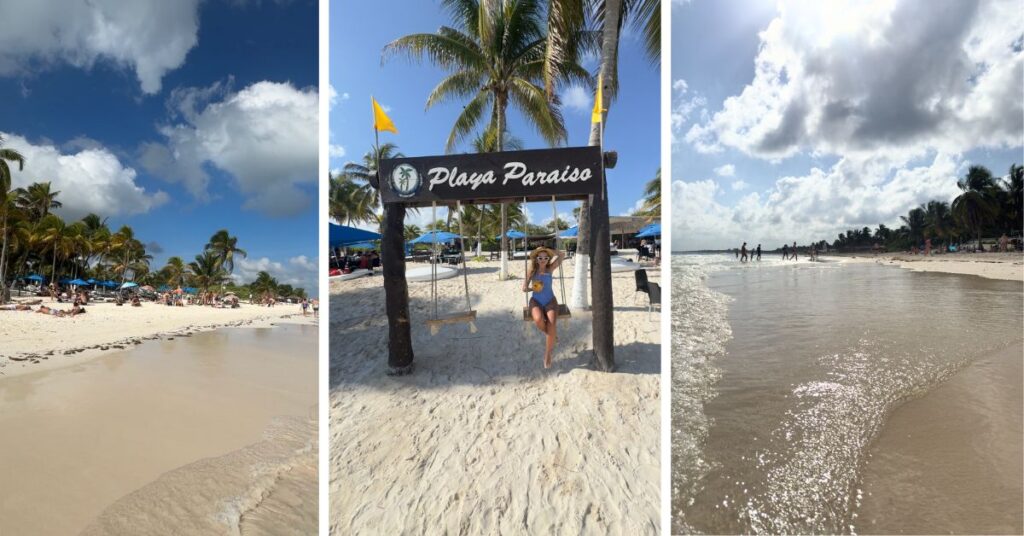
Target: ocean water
[(784, 374)]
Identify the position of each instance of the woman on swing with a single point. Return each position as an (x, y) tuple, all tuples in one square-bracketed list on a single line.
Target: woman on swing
[(543, 305)]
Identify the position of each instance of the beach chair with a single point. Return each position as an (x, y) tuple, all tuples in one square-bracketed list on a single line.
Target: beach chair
[(653, 296), (641, 280)]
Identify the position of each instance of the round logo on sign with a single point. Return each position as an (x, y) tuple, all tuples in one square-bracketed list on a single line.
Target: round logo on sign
[(405, 181)]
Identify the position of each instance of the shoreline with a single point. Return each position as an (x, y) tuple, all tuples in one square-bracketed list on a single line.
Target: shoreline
[(83, 338), (970, 426), (1002, 266)]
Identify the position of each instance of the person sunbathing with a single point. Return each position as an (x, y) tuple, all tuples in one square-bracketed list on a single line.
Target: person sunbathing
[(49, 311), (15, 307)]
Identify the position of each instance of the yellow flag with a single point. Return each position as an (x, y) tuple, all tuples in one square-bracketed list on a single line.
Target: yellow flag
[(381, 121), (595, 116)]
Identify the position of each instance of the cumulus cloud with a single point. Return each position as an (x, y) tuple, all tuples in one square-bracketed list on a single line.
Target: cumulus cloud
[(150, 37), (686, 104), (298, 271), (815, 206), (337, 151), (264, 137), (739, 184), (727, 170), (577, 98), (90, 179), (877, 78)]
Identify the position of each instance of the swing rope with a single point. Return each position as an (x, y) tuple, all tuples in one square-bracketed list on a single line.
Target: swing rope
[(554, 225), (469, 315)]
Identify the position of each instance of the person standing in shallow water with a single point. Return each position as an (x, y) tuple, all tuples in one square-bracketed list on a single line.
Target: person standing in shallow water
[(759, 252), (785, 251), (743, 252), (543, 305), (794, 250)]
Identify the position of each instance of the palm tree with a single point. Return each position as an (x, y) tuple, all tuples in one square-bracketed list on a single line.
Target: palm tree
[(976, 206), (207, 271), (264, 285), (412, 231), (6, 206), (127, 251), (38, 199), (1014, 195), (352, 195), (224, 247), (52, 233), (651, 207), (914, 223), (938, 220), (567, 25), (496, 56), (174, 273)]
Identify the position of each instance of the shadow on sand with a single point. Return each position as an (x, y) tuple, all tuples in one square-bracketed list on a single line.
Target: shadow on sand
[(505, 349)]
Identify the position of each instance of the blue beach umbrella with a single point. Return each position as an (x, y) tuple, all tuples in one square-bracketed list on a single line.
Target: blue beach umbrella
[(570, 232), (78, 282), (343, 235), (512, 233), (653, 229), (34, 277), (129, 284), (362, 245), (435, 237)]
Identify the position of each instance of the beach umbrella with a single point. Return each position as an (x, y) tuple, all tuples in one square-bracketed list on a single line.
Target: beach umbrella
[(109, 284), (570, 232), (512, 233), (91, 281), (129, 284), (65, 281), (362, 245), (343, 235), (434, 237), (653, 229), (78, 282), (34, 277), (191, 290)]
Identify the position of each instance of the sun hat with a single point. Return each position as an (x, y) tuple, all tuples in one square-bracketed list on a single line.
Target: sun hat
[(551, 253)]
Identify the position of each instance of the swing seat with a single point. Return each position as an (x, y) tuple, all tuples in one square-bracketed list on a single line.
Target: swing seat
[(563, 312), (453, 318)]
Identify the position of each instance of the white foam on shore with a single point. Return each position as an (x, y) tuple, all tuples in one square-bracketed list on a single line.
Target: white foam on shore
[(700, 330), (269, 487)]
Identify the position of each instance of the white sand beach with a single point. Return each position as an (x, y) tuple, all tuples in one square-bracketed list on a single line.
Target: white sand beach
[(1008, 266), (480, 439), (34, 342)]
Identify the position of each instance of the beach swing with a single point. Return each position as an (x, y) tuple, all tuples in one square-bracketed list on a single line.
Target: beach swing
[(469, 315), (563, 309)]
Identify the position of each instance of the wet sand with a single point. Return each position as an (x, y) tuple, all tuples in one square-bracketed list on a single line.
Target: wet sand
[(79, 438), (1006, 266), (950, 461)]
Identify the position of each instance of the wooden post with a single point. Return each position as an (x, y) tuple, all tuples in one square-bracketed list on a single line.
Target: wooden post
[(396, 290), (603, 317)]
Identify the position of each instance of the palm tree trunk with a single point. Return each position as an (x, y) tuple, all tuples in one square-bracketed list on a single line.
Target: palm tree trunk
[(4, 294), (500, 104), (601, 270)]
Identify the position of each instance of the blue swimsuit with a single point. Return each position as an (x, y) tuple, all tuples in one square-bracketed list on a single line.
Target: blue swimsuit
[(545, 295)]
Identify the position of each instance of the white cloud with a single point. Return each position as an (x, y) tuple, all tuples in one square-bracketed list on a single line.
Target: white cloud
[(90, 179), (878, 79), (684, 104), (728, 170), (334, 97), (298, 271), (816, 206), (337, 151), (738, 185), (264, 136), (150, 37), (577, 98)]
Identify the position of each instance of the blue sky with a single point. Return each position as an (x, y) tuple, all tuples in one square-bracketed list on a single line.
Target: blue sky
[(797, 121), (177, 119), (402, 87)]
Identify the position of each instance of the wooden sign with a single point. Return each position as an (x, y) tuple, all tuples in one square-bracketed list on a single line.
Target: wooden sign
[(569, 173)]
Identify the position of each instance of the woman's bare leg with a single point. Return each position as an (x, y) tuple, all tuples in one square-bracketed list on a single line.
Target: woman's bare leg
[(552, 317), (538, 318)]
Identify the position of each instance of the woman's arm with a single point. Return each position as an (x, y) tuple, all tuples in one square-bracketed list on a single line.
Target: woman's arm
[(526, 280), (557, 261)]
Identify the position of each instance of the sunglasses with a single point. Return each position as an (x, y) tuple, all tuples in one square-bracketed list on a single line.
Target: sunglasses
[(539, 258)]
